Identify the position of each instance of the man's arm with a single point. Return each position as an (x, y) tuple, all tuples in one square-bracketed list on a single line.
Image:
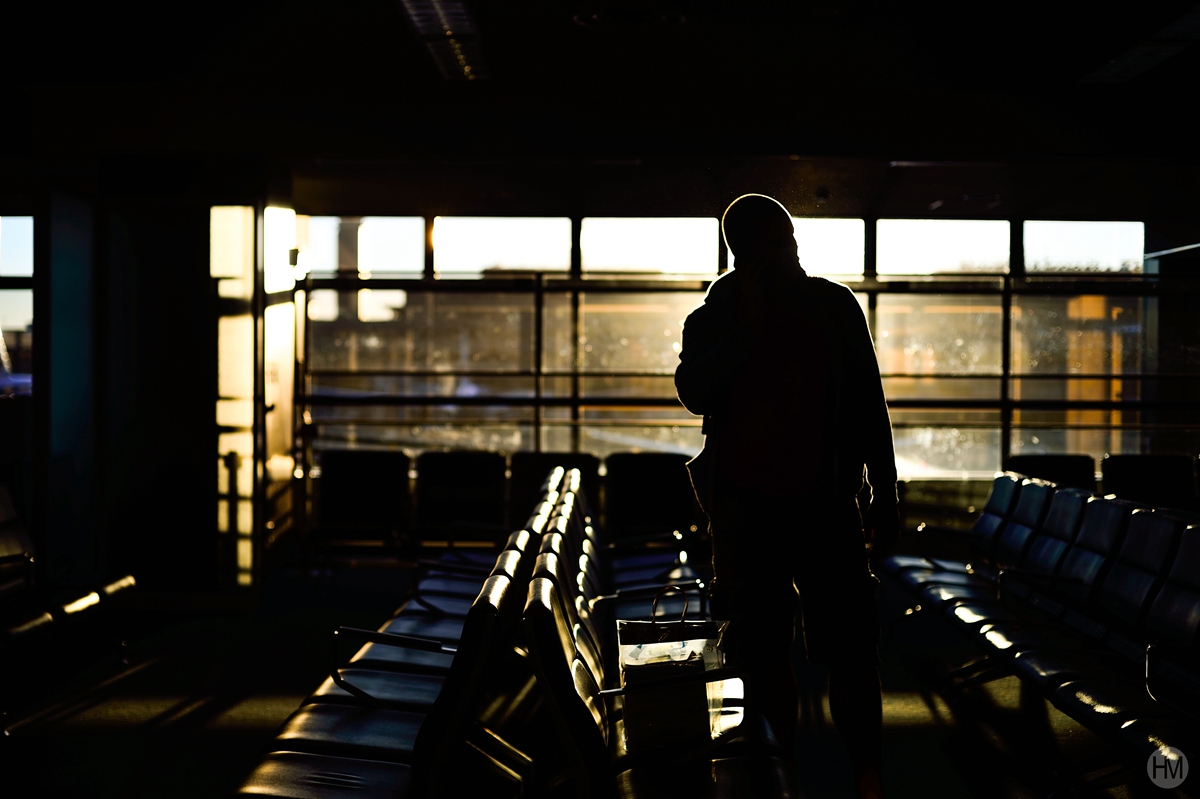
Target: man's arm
[(882, 520), (710, 360)]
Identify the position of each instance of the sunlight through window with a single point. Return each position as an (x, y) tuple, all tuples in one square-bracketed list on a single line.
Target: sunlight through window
[(677, 246), (939, 246), (1084, 246), (472, 246)]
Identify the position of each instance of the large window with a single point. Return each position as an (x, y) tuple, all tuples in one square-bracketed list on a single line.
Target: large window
[(16, 305), (543, 348)]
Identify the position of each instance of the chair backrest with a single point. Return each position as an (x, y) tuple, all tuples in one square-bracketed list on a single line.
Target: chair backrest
[(1067, 471), (1033, 504), (583, 626), (570, 690), (1161, 480), (999, 505), (528, 470), (459, 487), (1089, 557), (648, 492), (1175, 613), (472, 672), (1057, 531), (363, 490), (1141, 566)]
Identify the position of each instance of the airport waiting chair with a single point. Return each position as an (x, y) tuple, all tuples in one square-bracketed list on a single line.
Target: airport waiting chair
[(361, 497), (460, 497), (649, 493), (1066, 471), (1162, 481), (1001, 501), (527, 472), (428, 717)]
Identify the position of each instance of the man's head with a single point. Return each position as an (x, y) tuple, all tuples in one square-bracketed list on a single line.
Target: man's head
[(755, 224)]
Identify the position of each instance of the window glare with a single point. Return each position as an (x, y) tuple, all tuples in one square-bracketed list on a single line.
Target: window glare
[(278, 240), (319, 248), (934, 246), (16, 246), (679, 245), (828, 247), (474, 244), (391, 244), (1084, 246)]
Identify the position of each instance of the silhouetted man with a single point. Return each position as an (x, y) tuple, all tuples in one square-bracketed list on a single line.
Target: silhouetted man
[(782, 367)]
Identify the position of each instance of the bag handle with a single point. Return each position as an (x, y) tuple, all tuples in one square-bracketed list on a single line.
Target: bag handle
[(668, 589)]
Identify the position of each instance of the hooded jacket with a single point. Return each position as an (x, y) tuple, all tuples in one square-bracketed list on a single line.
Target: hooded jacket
[(716, 345)]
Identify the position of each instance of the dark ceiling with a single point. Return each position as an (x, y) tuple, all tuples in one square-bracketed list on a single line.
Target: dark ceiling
[(303, 80)]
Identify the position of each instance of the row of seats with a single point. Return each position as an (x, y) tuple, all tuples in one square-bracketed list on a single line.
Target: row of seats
[(35, 622), (1159, 480), (464, 494), (1093, 600), (450, 696)]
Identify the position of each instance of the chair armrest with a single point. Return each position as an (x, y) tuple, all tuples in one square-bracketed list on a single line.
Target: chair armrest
[(382, 639), (1180, 664)]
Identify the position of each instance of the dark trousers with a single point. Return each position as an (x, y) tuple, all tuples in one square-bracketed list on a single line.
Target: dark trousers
[(773, 556)]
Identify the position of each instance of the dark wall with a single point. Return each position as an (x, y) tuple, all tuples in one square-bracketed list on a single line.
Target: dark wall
[(159, 387)]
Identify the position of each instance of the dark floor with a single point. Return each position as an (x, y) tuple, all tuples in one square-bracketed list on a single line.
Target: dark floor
[(205, 690)]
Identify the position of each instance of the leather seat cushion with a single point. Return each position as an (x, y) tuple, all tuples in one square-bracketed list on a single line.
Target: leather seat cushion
[(1050, 668), (940, 594), (394, 658), (297, 775), (1105, 704), (353, 731), (405, 691), (440, 629), (915, 579)]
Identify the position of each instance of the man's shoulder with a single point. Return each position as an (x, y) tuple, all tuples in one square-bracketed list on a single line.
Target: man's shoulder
[(724, 287), (826, 287)]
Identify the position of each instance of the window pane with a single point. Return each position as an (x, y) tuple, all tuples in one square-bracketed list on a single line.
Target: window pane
[(938, 246), (930, 334), (1084, 246), (278, 241), (317, 240), (392, 245), (607, 439), (633, 332), (16, 341), (16, 246), (442, 332), (1085, 334), (415, 438), (677, 246), (946, 451), (828, 247), (470, 246)]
